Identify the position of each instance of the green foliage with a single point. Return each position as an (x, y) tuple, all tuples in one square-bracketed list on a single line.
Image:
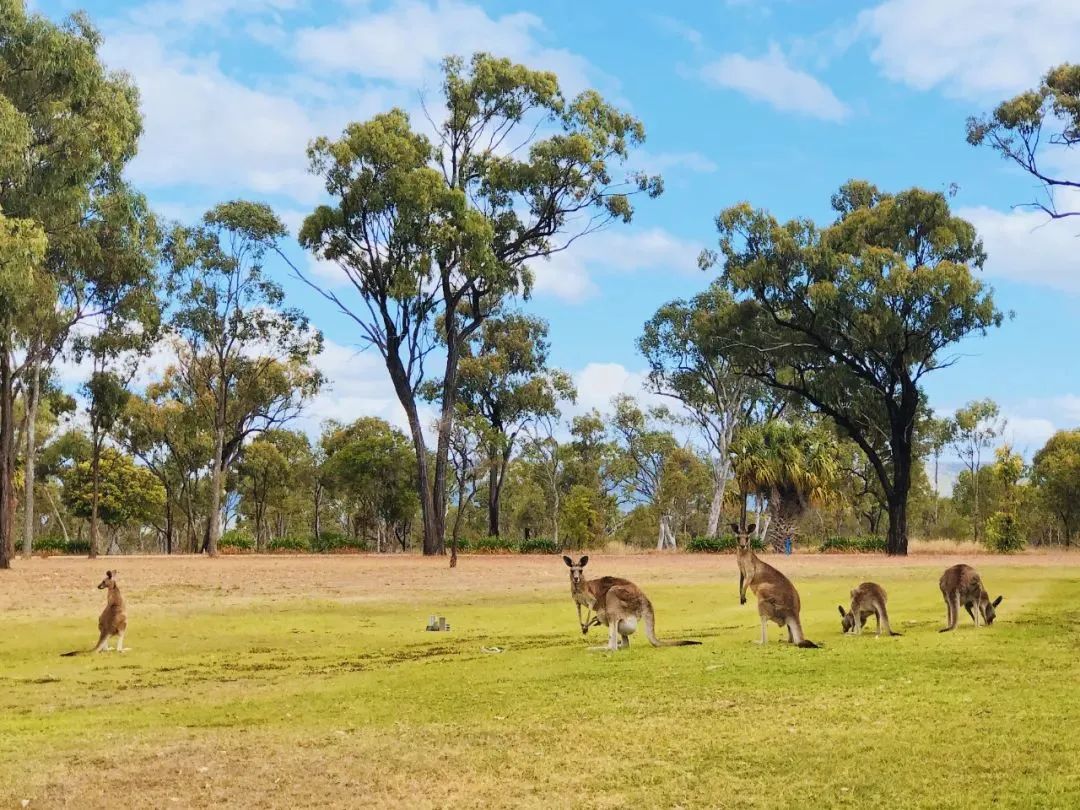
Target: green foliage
[(58, 545), (289, 544), (849, 318), (1034, 130), (1004, 533), (126, 492), (329, 542), (722, 544), (1055, 472), (866, 544), (537, 545), (239, 539), (489, 545)]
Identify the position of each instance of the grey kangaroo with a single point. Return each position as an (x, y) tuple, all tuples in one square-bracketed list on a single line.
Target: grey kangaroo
[(962, 584), (113, 620), (867, 600), (777, 598)]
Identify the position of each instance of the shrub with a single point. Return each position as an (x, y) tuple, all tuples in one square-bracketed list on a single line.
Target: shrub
[(336, 541), (867, 544), (290, 544), (237, 540), (722, 544), (57, 545), (537, 545), (1003, 533), (490, 545)]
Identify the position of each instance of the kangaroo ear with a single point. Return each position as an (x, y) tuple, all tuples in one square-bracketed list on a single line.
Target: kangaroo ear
[(568, 561), (843, 612), (108, 575), (750, 528), (584, 561), (998, 601), (735, 528), (852, 594)]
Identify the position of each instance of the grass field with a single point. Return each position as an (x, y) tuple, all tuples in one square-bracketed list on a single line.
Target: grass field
[(310, 682)]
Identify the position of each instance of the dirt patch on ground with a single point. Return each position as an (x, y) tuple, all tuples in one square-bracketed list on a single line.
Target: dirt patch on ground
[(49, 586)]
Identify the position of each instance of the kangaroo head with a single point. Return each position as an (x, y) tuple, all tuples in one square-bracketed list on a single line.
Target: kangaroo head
[(989, 612), (847, 619), (109, 581), (742, 536), (577, 570)]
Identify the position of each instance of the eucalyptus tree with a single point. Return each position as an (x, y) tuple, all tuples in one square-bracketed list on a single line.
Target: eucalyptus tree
[(1035, 131), (67, 128), (974, 429), (504, 379), (441, 231), (244, 359), (686, 364), (1055, 471), (851, 317)]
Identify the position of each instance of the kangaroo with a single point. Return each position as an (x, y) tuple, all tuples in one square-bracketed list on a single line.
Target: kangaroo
[(777, 598), (618, 603), (867, 600), (962, 583), (113, 620)]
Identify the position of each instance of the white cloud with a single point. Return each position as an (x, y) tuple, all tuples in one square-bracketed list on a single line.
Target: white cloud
[(568, 275), (1026, 434), (1025, 246), (327, 273), (599, 383), (173, 14), (206, 129), (405, 43), (771, 79), (971, 48)]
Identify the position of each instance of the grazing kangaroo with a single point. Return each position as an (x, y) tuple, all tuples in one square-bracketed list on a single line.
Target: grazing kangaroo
[(618, 603), (962, 583), (778, 600), (867, 600), (113, 620)]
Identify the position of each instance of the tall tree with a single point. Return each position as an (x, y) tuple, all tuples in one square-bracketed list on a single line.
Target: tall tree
[(975, 426), (442, 232), (937, 434), (67, 128), (1055, 471), (686, 366), (504, 379), (1035, 131), (245, 361), (849, 318)]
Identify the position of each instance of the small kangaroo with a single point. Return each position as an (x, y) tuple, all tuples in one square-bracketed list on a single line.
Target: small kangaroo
[(962, 583), (618, 603), (777, 598), (867, 600), (113, 620)]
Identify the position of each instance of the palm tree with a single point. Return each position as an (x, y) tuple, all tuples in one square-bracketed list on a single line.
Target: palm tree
[(792, 465)]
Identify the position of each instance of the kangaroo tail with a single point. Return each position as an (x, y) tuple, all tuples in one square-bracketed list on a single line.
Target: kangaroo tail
[(797, 634), (74, 652), (894, 633), (650, 631)]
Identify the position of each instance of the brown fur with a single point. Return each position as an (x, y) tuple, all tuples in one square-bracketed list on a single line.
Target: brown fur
[(113, 620), (962, 584), (778, 600), (618, 603), (867, 600)]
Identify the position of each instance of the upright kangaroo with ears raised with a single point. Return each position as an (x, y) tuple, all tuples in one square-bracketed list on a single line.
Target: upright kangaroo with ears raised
[(618, 603), (962, 583), (113, 620), (777, 598), (867, 600)]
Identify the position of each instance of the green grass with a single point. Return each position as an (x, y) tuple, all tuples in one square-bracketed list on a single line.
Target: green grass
[(316, 701)]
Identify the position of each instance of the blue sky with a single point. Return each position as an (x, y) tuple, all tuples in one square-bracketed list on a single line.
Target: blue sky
[(776, 103)]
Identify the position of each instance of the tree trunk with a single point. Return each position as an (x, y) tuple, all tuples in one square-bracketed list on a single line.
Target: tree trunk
[(56, 512), (7, 458), (666, 537), (33, 396), (169, 528), (720, 479), (896, 541), (317, 504), (217, 481), (493, 491), (95, 474)]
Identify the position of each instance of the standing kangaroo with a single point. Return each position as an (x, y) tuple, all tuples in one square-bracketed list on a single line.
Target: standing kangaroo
[(778, 600), (867, 600), (962, 583), (618, 603), (113, 620)]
